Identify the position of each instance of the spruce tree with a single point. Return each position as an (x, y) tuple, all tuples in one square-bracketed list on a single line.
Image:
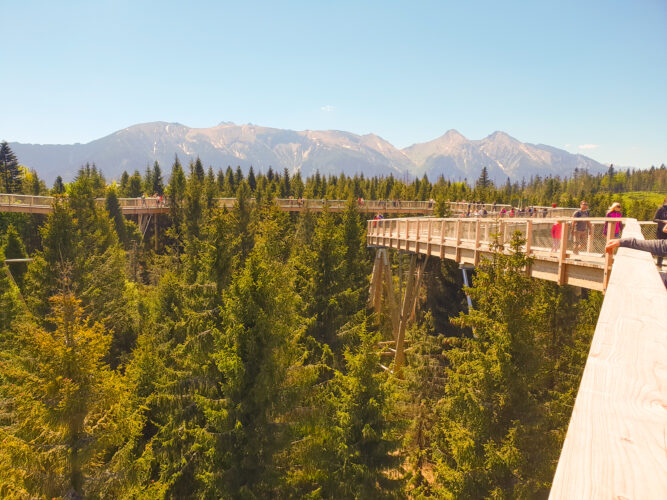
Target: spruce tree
[(10, 305), (158, 181), (285, 189), (238, 175), (210, 189), (65, 413), (323, 267), (198, 169), (32, 184), (135, 187), (194, 202), (252, 182), (243, 212), (148, 181), (10, 174), (502, 418), (58, 186), (176, 196), (255, 352), (351, 452), (230, 183), (483, 181), (79, 238), (116, 214), (15, 249), (124, 184)]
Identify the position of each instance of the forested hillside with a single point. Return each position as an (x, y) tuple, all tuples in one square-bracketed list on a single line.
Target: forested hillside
[(239, 359)]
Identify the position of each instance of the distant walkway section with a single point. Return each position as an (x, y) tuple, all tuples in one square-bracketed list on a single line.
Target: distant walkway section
[(145, 206)]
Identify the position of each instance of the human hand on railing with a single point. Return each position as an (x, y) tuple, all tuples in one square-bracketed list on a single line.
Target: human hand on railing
[(612, 245)]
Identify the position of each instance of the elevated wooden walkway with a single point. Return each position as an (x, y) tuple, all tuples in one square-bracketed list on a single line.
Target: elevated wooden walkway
[(147, 206), (616, 443), (467, 240), (138, 206)]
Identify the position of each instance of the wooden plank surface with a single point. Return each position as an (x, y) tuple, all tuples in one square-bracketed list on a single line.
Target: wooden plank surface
[(616, 443)]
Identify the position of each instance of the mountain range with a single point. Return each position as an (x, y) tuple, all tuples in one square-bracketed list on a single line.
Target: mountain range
[(329, 151)]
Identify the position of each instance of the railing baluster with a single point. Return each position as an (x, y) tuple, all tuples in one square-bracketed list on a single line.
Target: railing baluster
[(529, 236)]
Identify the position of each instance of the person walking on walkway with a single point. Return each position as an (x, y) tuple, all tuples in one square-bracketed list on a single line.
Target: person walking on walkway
[(656, 247), (581, 229), (661, 217), (614, 212), (556, 231)]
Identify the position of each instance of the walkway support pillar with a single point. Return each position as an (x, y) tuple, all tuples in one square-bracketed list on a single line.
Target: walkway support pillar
[(411, 295), (375, 297), (391, 300), (562, 255)]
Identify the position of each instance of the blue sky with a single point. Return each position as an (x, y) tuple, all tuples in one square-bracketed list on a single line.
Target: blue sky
[(586, 76)]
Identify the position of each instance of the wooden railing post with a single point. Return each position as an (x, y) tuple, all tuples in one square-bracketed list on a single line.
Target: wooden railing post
[(563, 253), (589, 240), (458, 240), (529, 240), (529, 236), (443, 223), (428, 236), (478, 232), (608, 256)]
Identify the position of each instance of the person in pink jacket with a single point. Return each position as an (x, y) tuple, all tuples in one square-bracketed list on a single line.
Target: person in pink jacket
[(615, 212)]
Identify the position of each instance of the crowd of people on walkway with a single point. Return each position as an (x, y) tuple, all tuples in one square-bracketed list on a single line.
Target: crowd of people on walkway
[(657, 247), (479, 209), (154, 201)]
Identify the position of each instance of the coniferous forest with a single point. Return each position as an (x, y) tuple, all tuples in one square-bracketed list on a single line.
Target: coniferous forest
[(235, 356)]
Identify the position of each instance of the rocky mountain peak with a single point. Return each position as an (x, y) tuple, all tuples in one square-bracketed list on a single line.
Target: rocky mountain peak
[(329, 151)]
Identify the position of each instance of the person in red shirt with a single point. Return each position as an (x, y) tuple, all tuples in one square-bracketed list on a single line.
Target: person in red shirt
[(556, 233)]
